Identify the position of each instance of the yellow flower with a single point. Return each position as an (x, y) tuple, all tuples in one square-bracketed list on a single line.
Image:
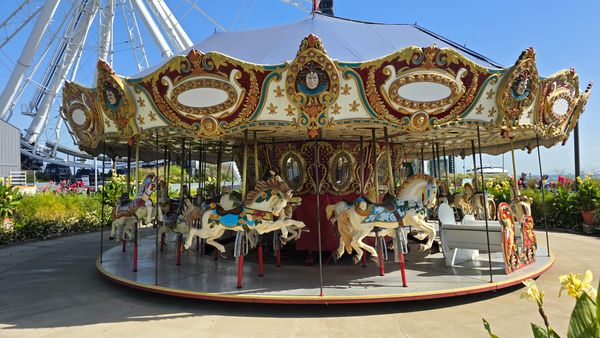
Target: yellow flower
[(577, 284), (532, 292)]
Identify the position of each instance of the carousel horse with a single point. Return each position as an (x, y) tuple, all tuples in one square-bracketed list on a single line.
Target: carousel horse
[(520, 204), (180, 223), (260, 211), (164, 202), (139, 209), (415, 196), (477, 202), (295, 228)]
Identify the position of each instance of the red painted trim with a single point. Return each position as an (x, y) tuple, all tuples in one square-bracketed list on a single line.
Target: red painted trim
[(323, 299), (402, 269), (135, 257), (260, 261)]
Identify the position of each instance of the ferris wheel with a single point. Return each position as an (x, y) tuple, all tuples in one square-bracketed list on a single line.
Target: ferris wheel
[(62, 32)]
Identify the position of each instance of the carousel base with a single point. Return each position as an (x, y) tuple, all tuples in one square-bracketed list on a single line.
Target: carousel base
[(203, 277)]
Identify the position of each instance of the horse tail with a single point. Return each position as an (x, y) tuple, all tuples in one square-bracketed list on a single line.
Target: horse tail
[(343, 224), (329, 211)]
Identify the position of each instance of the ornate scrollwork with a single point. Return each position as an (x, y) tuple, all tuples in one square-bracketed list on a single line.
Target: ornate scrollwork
[(115, 100), (79, 108), (312, 84), (518, 90)]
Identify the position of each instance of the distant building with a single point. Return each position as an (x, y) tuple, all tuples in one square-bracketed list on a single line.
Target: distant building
[(10, 149)]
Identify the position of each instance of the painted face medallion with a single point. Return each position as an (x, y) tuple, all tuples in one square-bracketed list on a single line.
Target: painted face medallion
[(312, 79), (521, 86)]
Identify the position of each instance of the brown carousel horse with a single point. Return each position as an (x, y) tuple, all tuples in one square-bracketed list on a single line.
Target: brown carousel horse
[(477, 201)]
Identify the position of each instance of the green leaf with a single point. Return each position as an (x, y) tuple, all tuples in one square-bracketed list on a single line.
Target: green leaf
[(488, 329), (540, 332), (583, 318), (598, 310)]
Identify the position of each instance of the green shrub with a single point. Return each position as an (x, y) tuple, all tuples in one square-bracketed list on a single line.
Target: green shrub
[(10, 199), (48, 215)]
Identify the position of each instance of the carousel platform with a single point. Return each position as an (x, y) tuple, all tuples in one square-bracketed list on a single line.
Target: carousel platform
[(203, 277)]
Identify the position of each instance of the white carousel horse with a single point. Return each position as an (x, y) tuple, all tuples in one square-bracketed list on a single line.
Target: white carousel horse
[(139, 209), (260, 211), (477, 201), (295, 228), (415, 196)]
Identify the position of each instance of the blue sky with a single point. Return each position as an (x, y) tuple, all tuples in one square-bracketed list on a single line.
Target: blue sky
[(564, 34)]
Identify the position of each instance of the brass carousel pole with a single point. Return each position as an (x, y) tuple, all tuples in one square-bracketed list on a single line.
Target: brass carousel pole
[(103, 196), (124, 248), (422, 168), (168, 167), (181, 197), (391, 179), (485, 211), (514, 165), (446, 163), (376, 185), (198, 200), (137, 188), (362, 167), (219, 162), (475, 182), (137, 164), (156, 220), (433, 164), (128, 169), (256, 178), (244, 178), (437, 155), (318, 213), (454, 173), (543, 190)]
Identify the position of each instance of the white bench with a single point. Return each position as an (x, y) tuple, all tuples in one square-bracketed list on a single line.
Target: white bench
[(463, 242)]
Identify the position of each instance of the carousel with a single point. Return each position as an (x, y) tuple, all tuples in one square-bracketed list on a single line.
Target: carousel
[(342, 132)]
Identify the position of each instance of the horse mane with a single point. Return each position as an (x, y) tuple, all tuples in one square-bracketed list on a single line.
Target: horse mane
[(410, 180), (275, 183), (469, 191)]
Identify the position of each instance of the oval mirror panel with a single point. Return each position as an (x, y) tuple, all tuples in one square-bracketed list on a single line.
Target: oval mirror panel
[(560, 106), (292, 171), (424, 91), (382, 170), (341, 170), (202, 97), (78, 117)]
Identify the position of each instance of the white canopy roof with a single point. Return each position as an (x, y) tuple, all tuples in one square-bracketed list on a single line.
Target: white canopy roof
[(344, 40)]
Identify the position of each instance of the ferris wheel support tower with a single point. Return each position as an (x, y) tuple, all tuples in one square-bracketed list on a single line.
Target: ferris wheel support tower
[(64, 62), (27, 54)]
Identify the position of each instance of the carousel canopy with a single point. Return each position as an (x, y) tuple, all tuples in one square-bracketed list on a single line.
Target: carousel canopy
[(333, 79), (346, 40)]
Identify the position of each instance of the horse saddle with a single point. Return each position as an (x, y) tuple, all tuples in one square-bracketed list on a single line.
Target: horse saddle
[(387, 203), (129, 208), (222, 212)]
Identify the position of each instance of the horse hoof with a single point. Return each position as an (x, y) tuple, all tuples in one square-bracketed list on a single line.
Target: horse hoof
[(283, 240), (111, 238), (375, 260), (422, 247), (224, 255), (356, 259), (184, 249)]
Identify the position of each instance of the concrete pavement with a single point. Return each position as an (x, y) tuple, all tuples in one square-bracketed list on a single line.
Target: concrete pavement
[(52, 289)]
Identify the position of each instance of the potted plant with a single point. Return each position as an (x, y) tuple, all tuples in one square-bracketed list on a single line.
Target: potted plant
[(588, 195), (10, 197)]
